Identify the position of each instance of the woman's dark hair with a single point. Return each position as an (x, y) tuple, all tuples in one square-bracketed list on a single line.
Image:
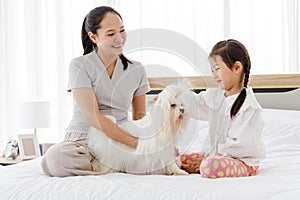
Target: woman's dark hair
[(91, 23), (231, 51)]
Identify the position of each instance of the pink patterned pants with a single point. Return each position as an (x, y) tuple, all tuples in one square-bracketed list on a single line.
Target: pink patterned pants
[(220, 166)]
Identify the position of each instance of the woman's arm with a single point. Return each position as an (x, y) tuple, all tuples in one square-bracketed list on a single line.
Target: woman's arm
[(138, 107), (86, 100)]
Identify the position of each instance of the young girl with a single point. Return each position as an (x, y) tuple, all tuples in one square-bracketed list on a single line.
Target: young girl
[(103, 82), (234, 116)]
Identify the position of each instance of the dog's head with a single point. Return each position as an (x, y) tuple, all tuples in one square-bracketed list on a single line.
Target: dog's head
[(171, 108)]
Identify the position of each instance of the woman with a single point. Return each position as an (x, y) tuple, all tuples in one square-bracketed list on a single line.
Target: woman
[(103, 82)]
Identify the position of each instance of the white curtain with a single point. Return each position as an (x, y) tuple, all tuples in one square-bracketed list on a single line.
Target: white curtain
[(268, 28), (38, 38)]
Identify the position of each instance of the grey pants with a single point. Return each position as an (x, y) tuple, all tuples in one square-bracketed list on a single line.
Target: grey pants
[(69, 158)]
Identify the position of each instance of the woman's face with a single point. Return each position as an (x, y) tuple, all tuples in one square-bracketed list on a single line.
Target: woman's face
[(111, 35)]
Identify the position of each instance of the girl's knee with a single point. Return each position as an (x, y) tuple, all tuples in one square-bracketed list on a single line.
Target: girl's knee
[(219, 166), (212, 167)]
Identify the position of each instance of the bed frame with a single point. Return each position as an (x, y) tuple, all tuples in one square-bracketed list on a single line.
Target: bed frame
[(280, 134), (279, 91)]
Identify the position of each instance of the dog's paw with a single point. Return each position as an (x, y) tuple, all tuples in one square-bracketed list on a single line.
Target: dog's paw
[(173, 169), (180, 172), (95, 165)]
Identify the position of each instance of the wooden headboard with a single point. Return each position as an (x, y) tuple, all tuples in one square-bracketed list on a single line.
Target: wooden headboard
[(256, 81), (279, 91)]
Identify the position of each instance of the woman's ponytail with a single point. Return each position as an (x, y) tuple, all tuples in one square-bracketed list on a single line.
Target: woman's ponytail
[(87, 44), (125, 61)]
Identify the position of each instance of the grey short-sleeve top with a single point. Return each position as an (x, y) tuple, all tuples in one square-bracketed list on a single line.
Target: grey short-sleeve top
[(114, 95)]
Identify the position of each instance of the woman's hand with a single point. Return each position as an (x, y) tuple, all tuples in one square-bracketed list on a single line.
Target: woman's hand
[(193, 166), (134, 142)]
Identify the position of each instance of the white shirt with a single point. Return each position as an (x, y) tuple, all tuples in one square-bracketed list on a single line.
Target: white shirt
[(238, 137), (114, 95)]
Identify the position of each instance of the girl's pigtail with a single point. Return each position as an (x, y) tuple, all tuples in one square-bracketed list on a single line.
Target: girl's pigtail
[(238, 103), (242, 96)]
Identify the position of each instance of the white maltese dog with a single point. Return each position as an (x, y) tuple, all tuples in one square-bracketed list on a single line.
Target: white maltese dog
[(155, 152)]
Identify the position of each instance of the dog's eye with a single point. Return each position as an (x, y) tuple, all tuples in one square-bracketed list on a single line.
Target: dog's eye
[(173, 105)]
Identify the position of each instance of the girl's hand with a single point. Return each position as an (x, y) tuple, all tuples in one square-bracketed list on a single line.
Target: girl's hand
[(193, 166), (176, 152), (153, 100)]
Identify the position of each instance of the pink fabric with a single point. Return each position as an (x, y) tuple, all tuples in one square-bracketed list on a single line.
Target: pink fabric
[(188, 157), (220, 166)]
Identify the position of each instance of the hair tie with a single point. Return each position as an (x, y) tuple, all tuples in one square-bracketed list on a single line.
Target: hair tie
[(245, 88)]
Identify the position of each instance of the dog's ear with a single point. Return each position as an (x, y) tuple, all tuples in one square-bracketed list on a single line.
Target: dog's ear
[(159, 117), (163, 101)]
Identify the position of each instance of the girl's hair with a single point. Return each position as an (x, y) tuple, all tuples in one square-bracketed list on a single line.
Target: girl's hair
[(231, 51), (91, 23)]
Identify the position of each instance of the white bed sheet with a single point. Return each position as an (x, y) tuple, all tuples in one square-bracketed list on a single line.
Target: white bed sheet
[(279, 176)]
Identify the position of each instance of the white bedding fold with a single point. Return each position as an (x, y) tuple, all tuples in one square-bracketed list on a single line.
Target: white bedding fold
[(278, 179)]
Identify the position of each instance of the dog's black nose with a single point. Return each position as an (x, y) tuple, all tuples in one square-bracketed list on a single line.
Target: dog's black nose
[(181, 110)]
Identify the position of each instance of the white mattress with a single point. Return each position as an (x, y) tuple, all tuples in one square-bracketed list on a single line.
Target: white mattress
[(279, 176)]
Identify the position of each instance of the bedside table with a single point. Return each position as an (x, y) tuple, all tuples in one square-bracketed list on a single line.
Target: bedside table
[(4, 161)]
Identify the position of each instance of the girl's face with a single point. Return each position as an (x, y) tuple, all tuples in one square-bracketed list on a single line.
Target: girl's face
[(111, 37), (226, 78)]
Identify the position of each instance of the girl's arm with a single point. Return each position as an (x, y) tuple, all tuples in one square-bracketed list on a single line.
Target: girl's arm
[(196, 105), (86, 100), (138, 107)]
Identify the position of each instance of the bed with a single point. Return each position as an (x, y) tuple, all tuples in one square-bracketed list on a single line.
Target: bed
[(279, 176)]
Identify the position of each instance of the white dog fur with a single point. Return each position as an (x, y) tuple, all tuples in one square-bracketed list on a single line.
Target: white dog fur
[(155, 152)]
